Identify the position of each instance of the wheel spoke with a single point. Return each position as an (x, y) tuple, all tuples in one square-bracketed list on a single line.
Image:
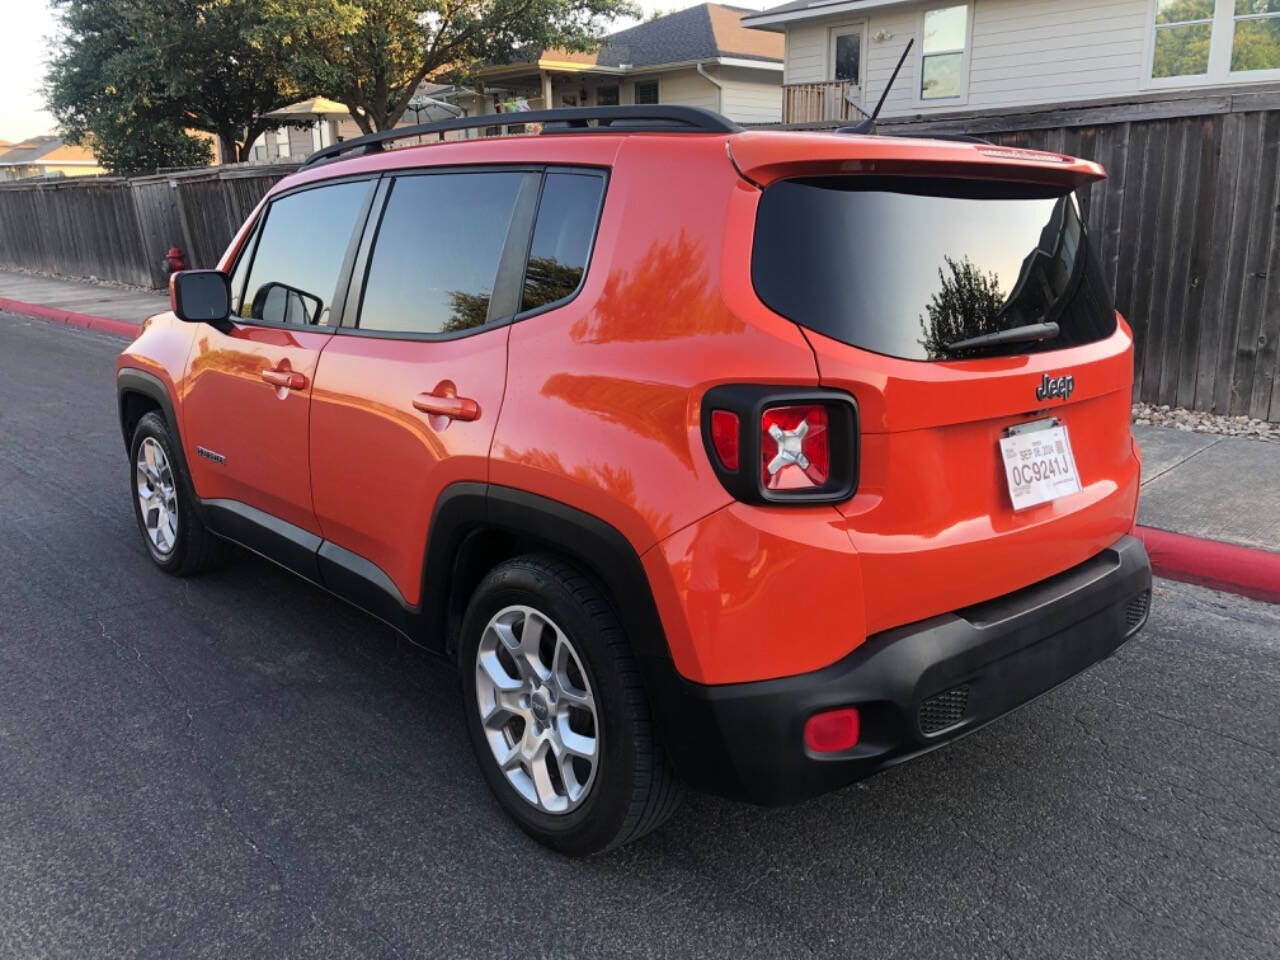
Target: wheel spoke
[(575, 744), (566, 691), (497, 675), (547, 795)]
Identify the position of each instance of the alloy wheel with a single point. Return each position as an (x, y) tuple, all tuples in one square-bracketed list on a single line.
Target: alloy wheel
[(157, 496), (537, 709)]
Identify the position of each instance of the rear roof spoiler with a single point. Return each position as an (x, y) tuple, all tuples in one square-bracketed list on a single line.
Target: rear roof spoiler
[(763, 158)]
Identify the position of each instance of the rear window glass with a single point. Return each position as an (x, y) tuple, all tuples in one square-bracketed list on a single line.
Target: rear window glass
[(905, 267), (562, 238)]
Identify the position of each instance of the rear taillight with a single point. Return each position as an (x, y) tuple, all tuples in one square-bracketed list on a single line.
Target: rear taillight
[(772, 445), (794, 451), (724, 437)]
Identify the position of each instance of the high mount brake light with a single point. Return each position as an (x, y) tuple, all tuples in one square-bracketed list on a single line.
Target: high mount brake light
[(774, 445)]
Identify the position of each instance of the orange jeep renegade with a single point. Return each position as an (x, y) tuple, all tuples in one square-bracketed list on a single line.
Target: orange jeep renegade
[(755, 461)]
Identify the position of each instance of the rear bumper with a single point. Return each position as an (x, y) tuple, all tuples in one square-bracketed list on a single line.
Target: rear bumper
[(916, 687)]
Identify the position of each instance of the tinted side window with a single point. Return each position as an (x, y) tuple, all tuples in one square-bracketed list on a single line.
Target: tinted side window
[(300, 252), (562, 238), (436, 255)]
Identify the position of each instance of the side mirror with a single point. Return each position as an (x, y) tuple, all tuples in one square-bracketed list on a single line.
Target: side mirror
[(200, 296)]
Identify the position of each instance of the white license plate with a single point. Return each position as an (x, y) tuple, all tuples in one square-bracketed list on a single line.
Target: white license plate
[(1039, 466)]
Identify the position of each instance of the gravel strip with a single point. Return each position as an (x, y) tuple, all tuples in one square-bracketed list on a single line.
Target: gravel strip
[(1193, 421)]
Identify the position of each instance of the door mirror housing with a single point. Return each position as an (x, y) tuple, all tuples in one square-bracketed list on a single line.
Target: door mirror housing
[(200, 296)]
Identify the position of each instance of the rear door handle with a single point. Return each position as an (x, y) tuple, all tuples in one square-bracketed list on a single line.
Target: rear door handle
[(444, 401), (289, 379)]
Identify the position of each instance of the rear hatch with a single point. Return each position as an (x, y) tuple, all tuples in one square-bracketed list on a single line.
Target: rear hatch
[(890, 255)]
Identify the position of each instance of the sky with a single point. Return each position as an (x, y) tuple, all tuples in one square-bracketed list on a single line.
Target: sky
[(24, 47)]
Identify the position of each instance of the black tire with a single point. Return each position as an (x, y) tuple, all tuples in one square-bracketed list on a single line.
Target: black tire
[(194, 550), (635, 788)]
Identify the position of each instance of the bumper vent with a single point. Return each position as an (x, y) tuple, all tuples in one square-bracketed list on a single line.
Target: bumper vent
[(1135, 614), (944, 710)]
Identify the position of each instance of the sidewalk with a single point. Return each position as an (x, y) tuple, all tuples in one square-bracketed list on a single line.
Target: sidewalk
[(96, 306), (1210, 508), (1213, 487)]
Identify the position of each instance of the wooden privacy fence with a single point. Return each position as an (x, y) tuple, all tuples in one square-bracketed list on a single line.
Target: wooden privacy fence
[(119, 229), (1189, 226)]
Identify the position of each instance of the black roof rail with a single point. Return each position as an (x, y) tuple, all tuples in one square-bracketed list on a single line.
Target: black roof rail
[(660, 118)]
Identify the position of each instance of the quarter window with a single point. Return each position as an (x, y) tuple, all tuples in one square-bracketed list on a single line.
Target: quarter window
[(295, 266), (942, 49), (562, 238), (435, 258)]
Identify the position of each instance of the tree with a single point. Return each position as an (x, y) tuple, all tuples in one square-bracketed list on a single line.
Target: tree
[(125, 69), (371, 55), (966, 304)]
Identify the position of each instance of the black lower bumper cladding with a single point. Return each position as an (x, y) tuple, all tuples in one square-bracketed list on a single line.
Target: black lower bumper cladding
[(916, 687)]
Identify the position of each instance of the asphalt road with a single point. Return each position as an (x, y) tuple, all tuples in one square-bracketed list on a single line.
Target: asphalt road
[(241, 766)]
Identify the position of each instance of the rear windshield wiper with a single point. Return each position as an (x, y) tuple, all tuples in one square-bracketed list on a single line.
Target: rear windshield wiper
[(1031, 333)]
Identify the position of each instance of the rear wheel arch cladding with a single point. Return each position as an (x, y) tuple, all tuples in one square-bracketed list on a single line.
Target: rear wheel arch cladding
[(475, 526)]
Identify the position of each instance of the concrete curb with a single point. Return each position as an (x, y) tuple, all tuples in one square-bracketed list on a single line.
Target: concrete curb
[(1246, 571), (117, 328)]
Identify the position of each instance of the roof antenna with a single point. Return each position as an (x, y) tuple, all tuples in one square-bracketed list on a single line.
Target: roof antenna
[(869, 124)]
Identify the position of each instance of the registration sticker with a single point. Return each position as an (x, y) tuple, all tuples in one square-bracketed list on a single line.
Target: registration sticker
[(1039, 465)]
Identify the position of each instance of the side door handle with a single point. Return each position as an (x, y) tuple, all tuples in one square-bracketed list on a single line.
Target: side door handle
[(444, 401), (285, 378)]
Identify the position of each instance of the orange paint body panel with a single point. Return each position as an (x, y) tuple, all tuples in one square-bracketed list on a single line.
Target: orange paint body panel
[(260, 428), (609, 384), (377, 463), (749, 589)]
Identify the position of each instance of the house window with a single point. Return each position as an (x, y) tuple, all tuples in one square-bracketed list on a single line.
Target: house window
[(1184, 31), (942, 52), (1255, 42), (647, 91), (607, 96), (1215, 41), (846, 54), (282, 142)]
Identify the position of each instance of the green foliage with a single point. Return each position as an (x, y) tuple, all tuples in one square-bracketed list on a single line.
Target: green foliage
[(371, 55), (130, 76), (967, 304)]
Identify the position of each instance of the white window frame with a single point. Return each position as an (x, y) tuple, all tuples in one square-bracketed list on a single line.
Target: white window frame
[(1220, 44), (844, 30), (283, 147), (916, 99)]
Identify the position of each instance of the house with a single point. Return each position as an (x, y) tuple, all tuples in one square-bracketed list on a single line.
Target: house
[(981, 55), (46, 156), (701, 56)]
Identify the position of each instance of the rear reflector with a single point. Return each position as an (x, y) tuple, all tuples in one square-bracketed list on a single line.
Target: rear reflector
[(724, 436), (832, 731)]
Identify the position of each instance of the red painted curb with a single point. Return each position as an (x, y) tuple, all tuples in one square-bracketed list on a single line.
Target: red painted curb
[(1222, 566), (117, 328)]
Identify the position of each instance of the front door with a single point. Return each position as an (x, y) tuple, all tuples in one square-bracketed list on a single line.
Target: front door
[(249, 384)]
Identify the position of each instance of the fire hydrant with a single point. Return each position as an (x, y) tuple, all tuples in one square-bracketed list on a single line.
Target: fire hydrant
[(174, 260)]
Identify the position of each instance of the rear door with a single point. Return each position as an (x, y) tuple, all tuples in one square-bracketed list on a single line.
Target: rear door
[(889, 275), (250, 384), (408, 394)]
